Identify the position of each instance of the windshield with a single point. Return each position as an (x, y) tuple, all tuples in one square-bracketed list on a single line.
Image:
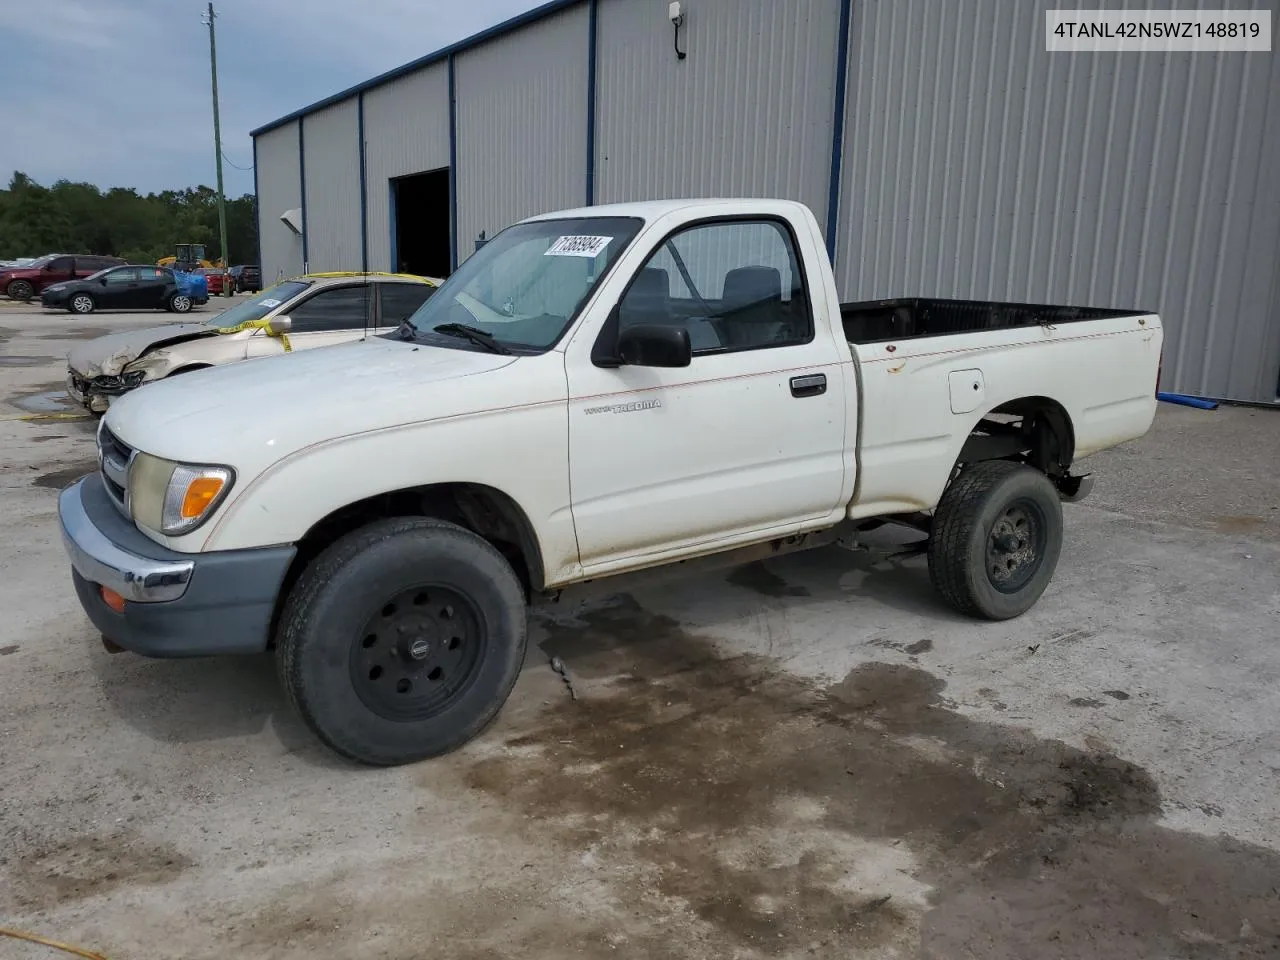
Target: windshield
[(525, 286), (259, 306)]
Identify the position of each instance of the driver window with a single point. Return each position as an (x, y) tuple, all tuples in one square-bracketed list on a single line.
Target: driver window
[(121, 276), (337, 308), (733, 285)]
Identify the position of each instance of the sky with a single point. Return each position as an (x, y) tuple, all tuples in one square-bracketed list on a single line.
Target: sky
[(117, 92)]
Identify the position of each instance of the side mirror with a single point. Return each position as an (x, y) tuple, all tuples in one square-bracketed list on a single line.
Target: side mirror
[(278, 326), (655, 345)]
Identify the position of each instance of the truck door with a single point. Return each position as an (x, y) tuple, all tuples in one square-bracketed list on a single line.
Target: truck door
[(749, 437)]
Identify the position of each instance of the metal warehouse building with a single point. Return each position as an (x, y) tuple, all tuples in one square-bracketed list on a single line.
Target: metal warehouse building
[(946, 152)]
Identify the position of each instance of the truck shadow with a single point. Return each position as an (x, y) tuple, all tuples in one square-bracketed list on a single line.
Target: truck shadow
[(209, 699)]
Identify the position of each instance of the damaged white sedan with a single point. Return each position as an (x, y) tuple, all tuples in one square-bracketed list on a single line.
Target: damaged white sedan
[(309, 311)]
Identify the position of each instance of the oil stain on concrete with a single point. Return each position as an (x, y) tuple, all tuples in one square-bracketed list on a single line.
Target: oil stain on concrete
[(88, 865), (48, 398), (690, 806), (78, 333), (758, 814), (59, 478)]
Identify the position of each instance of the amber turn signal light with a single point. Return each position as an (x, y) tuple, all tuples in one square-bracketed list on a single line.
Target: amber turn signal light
[(112, 599), (200, 493)]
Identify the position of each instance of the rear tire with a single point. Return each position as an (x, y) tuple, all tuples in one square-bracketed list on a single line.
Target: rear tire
[(402, 640), (20, 290), (997, 535), (81, 303), (179, 303)]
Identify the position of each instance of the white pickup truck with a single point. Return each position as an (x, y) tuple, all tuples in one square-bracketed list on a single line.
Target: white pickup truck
[(593, 392)]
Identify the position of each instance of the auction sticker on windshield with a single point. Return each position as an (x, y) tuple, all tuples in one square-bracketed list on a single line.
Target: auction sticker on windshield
[(269, 302), (578, 247)]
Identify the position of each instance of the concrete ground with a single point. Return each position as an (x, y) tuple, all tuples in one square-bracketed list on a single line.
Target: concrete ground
[(811, 757)]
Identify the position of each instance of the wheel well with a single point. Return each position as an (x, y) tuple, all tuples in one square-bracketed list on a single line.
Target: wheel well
[(483, 510), (1034, 430)]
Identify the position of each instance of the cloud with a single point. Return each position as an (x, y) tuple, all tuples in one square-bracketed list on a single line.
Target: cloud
[(117, 93), (76, 24)]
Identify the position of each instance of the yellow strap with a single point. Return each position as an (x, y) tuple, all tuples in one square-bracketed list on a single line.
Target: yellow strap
[(45, 416), (260, 325), (44, 941)]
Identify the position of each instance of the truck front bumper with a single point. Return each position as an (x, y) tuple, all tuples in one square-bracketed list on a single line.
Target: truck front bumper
[(175, 604)]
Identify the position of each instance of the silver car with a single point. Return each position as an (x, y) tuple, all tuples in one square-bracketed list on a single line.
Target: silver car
[(314, 310)]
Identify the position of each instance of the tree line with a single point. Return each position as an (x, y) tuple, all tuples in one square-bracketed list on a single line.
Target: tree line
[(80, 218)]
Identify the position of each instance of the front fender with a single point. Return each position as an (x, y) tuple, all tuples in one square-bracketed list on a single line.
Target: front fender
[(206, 351), (522, 452)]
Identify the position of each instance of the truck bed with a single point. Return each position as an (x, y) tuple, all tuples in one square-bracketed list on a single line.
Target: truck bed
[(907, 318)]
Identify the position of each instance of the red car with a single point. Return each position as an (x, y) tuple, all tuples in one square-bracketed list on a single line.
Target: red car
[(23, 283), (214, 278)]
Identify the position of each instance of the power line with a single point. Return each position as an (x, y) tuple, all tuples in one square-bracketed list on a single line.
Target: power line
[(227, 160)]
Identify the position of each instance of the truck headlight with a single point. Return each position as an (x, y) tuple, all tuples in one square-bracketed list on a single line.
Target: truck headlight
[(175, 498)]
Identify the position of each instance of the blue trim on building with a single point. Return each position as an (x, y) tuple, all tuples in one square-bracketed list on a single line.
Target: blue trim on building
[(302, 189), (592, 9), (837, 129), (257, 211), (391, 222), (453, 169), (364, 187), (507, 26)]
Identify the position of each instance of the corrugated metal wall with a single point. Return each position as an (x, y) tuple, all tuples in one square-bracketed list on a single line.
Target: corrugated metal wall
[(979, 165), (406, 130), (279, 189), (522, 125), (332, 166), (749, 113)]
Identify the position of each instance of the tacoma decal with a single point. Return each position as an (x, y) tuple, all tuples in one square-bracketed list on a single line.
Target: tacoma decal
[(631, 407)]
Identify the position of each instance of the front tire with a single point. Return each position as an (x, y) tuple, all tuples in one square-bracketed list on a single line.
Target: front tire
[(20, 290), (179, 303), (997, 535), (81, 303), (402, 640)]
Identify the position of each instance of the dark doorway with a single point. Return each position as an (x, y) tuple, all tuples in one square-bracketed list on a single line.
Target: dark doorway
[(420, 224)]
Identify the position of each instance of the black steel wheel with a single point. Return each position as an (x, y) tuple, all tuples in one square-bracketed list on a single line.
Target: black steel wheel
[(402, 640), (417, 653), (997, 535)]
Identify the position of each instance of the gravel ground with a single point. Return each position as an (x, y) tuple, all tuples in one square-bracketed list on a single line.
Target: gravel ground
[(811, 757)]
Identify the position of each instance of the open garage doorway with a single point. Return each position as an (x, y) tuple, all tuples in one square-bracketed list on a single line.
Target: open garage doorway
[(420, 223)]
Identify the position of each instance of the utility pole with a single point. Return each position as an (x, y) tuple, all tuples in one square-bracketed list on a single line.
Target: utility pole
[(217, 148)]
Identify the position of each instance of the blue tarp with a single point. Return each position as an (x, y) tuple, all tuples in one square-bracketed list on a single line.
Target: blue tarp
[(193, 285)]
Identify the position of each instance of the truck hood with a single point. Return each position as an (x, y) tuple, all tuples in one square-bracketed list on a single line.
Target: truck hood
[(109, 355), (253, 413)]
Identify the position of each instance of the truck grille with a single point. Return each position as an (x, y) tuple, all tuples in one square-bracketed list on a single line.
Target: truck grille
[(114, 458)]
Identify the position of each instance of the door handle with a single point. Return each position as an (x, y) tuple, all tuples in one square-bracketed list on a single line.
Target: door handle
[(809, 385)]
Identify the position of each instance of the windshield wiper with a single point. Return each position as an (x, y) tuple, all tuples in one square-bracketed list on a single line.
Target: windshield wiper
[(406, 330), (474, 334)]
